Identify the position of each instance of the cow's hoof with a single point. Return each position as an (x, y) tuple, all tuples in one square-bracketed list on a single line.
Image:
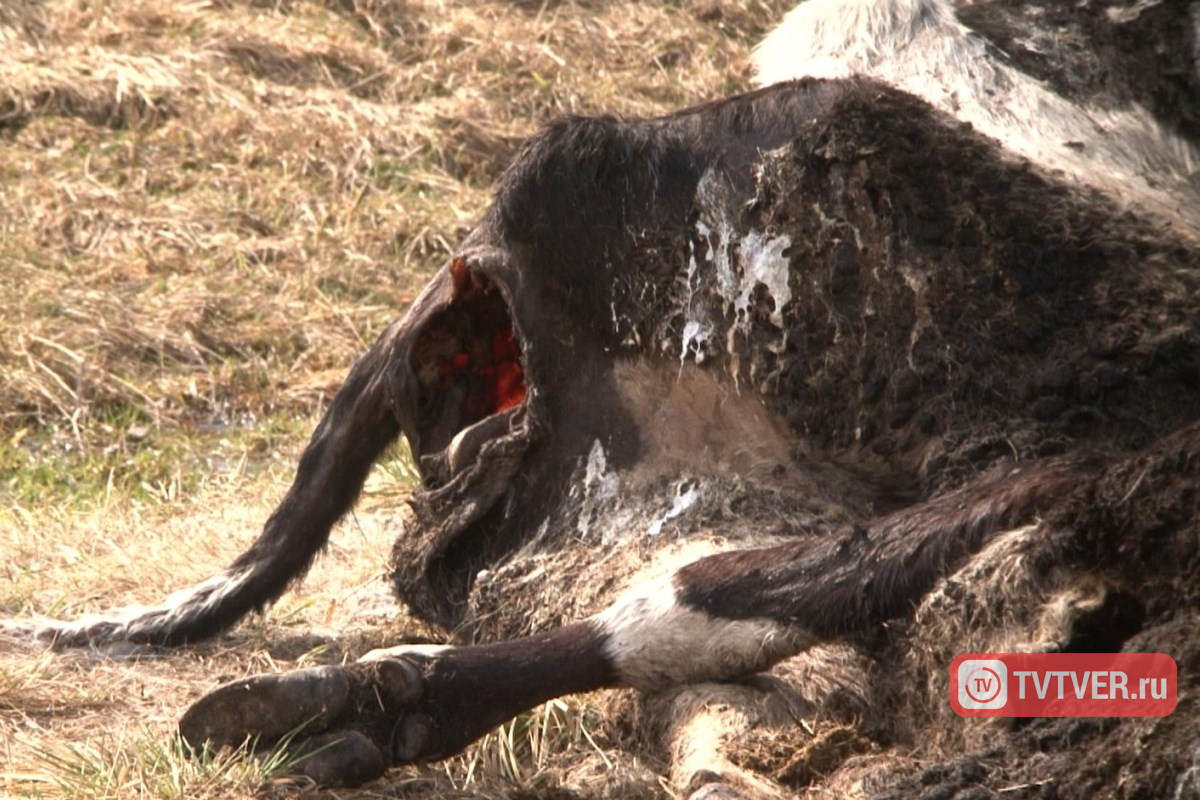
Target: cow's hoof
[(339, 726), (346, 758), (265, 708)]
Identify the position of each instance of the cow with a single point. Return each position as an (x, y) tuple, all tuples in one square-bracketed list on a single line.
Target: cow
[(770, 407)]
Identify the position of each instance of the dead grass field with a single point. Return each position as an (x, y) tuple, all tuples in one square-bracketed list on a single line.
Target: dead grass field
[(207, 210)]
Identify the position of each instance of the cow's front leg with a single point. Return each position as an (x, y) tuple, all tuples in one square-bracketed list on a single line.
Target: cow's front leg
[(347, 725)]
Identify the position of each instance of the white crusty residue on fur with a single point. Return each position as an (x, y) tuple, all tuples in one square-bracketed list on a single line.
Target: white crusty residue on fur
[(920, 46), (653, 640), (687, 495), (741, 264), (763, 262), (598, 487), (696, 330)]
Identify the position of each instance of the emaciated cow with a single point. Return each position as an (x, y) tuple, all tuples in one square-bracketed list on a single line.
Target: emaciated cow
[(895, 360)]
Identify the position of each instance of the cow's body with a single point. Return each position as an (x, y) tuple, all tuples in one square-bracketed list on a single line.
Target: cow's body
[(820, 358)]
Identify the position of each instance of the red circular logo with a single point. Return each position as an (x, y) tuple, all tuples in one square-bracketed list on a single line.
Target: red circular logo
[(979, 685)]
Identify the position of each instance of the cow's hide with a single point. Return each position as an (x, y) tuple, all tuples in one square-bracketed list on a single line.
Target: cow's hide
[(944, 360)]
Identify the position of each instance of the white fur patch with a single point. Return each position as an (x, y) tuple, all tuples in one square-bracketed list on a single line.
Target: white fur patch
[(654, 641), (921, 47)]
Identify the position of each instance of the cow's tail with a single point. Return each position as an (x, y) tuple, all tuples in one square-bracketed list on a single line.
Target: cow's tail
[(358, 426)]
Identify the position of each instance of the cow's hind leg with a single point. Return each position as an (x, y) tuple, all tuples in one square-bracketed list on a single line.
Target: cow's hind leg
[(772, 734), (703, 723)]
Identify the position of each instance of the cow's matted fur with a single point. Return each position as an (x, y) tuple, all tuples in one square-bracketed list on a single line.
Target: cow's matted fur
[(819, 380)]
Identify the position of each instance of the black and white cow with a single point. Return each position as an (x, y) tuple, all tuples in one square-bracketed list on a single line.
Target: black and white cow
[(893, 359)]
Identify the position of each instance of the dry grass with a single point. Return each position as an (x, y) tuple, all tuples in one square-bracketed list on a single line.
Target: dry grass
[(207, 210)]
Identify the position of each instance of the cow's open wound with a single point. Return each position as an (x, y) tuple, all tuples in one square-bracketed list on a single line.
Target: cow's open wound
[(467, 364)]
